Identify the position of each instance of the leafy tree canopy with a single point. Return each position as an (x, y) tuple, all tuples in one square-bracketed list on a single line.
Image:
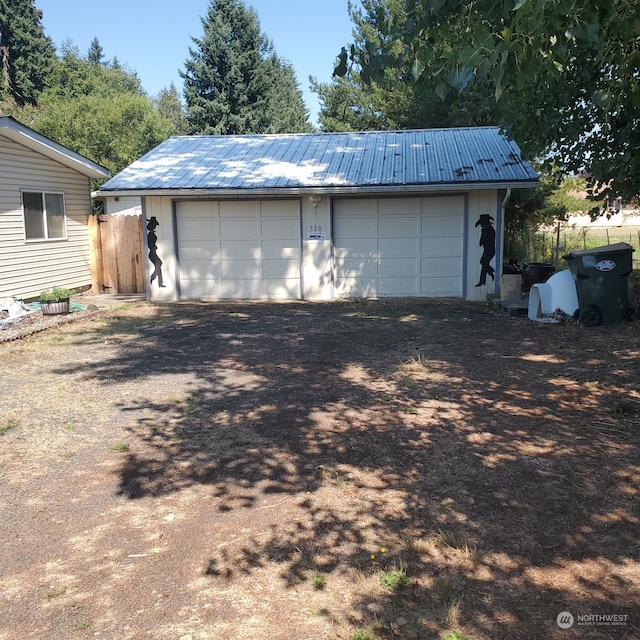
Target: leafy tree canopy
[(99, 112), (570, 69)]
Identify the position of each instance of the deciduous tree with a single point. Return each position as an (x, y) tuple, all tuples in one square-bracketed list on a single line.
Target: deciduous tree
[(99, 112), (571, 68)]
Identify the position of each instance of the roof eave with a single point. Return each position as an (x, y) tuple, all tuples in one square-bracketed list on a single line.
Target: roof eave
[(14, 130), (321, 190)]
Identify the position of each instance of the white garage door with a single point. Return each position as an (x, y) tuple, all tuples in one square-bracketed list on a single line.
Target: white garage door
[(399, 247), (239, 249)]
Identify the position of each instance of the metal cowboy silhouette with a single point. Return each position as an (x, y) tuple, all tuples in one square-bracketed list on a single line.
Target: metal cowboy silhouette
[(152, 242), (488, 243)]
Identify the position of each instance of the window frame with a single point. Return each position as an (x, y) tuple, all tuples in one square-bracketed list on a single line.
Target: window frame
[(45, 218)]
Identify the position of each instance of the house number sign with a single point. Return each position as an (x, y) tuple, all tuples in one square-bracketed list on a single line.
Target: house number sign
[(315, 233)]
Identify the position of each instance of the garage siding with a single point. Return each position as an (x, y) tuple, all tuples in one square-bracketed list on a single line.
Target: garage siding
[(399, 246), (239, 249)]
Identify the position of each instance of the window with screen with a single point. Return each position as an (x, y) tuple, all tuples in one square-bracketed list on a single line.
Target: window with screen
[(44, 217)]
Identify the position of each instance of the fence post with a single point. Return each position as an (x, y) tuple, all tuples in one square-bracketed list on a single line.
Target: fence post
[(95, 249)]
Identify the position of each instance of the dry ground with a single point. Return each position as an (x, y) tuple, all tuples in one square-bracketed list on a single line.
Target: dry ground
[(257, 470)]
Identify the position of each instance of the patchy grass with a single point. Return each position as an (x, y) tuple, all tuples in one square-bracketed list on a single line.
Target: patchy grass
[(394, 579), (455, 635), (318, 582), (8, 426), (448, 590), (364, 634), (625, 407)]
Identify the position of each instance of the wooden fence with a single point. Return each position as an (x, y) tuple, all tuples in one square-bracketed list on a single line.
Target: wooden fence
[(117, 254)]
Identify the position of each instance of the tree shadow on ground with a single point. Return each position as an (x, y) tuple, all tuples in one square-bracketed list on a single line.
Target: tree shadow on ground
[(489, 460)]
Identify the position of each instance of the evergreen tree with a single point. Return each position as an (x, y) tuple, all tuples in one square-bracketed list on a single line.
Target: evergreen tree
[(356, 101), (95, 54), (284, 108), (233, 81), (169, 107), (26, 53)]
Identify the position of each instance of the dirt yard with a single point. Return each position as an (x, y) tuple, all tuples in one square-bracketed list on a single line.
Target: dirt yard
[(305, 471)]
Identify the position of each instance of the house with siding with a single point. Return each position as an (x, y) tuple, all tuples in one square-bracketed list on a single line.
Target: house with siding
[(45, 201), (323, 216)]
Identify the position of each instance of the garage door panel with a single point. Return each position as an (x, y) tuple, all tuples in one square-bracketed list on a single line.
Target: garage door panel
[(203, 270), (280, 249), (202, 251), (198, 228), (358, 247), (441, 226), (279, 229), (398, 206), (243, 288), (398, 268), (397, 286), (442, 205), (206, 209), (279, 269), (199, 288), (356, 227), (365, 207), (280, 209), (356, 287), (241, 249), (239, 229), (440, 286), (397, 227), (241, 269), (390, 247), (278, 289), (235, 210), (356, 268), (440, 247), (441, 266)]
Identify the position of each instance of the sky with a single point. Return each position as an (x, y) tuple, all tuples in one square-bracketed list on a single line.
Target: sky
[(153, 38)]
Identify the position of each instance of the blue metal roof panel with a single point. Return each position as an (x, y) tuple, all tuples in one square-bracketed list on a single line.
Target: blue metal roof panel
[(421, 158)]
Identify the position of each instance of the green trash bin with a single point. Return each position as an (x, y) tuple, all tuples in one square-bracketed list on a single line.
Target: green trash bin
[(602, 283)]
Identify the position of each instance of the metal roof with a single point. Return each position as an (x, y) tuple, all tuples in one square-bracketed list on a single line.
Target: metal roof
[(418, 160), (16, 131)]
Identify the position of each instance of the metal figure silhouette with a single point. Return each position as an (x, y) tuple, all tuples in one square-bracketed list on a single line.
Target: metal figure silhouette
[(488, 243), (152, 242)]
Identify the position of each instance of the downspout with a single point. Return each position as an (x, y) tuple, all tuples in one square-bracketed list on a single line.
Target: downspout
[(500, 255), (145, 261)]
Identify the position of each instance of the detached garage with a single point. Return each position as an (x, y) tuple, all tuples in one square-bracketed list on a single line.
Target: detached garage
[(327, 215)]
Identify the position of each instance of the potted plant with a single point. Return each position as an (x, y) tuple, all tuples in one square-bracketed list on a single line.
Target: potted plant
[(55, 301)]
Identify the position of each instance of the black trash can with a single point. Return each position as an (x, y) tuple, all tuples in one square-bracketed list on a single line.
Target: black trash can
[(536, 273), (602, 283)]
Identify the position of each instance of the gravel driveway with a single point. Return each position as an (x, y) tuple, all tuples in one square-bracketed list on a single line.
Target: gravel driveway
[(259, 470)]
